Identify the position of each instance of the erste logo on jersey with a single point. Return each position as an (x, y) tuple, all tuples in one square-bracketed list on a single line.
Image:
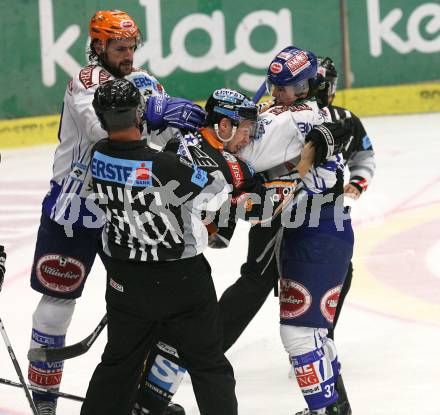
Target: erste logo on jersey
[(295, 299), (136, 173), (329, 301)]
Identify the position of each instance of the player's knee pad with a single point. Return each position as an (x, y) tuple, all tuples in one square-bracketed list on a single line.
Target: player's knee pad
[(314, 361), (53, 315), (299, 340), (160, 380)]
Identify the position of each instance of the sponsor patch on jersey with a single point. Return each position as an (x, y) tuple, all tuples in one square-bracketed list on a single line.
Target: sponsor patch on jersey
[(166, 374), (104, 76), (115, 285), (86, 75), (329, 301), (366, 143), (278, 109), (276, 67), (137, 173), (295, 299), (305, 127), (78, 172), (298, 63), (142, 82), (235, 169), (199, 177), (60, 273), (300, 107), (146, 83)]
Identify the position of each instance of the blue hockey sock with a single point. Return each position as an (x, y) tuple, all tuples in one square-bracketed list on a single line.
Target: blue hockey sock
[(315, 376), (46, 374)]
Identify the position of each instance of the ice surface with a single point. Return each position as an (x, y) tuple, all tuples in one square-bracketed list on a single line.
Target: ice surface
[(388, 333)]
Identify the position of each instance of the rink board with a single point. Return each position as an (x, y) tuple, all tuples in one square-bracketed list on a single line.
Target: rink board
[(402, 99)]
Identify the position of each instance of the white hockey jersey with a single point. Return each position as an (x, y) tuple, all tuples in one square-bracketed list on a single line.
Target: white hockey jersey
[(79, 130), (277, 148)]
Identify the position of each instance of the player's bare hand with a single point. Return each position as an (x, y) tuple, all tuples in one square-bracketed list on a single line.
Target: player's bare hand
[(351, 191), (308, 153)]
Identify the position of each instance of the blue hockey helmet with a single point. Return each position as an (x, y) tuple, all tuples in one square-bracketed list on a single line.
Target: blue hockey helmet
[(292, 67)]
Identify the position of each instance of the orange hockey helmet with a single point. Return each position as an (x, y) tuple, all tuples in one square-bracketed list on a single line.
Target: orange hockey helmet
[(113, 24)]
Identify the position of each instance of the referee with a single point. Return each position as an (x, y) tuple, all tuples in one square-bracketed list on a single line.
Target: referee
[(156, 272)]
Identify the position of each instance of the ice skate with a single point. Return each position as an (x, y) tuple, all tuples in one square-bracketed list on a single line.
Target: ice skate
[(174, 409), (309, 412), (46, 407)]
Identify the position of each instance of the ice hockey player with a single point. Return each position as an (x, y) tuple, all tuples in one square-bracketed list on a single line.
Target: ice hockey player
[(315, 254), (360, 160), (67, 240)]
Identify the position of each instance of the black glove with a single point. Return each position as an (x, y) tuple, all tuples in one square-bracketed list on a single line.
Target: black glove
[(2, 265), (217, 242), (330, 139)]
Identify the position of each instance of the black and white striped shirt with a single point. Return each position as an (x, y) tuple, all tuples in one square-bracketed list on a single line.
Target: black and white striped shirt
[(152, 201)]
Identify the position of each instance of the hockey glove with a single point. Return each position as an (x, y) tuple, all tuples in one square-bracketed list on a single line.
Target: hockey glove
[(330, 139), (163, 112), (215, 241), (2, 265)]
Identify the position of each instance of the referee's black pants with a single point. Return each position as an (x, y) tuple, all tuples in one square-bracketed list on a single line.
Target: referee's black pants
[(181, 296)]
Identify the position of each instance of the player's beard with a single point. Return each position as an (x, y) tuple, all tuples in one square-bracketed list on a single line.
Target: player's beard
[(123, 68)]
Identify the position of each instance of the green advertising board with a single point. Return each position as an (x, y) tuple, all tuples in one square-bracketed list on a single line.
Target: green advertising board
[(394, 41), (194, 46)]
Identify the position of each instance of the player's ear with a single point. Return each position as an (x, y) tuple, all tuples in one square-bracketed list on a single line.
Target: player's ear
[(224, 126)]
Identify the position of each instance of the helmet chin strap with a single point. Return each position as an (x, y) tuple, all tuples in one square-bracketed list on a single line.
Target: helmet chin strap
[(225, 140)]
